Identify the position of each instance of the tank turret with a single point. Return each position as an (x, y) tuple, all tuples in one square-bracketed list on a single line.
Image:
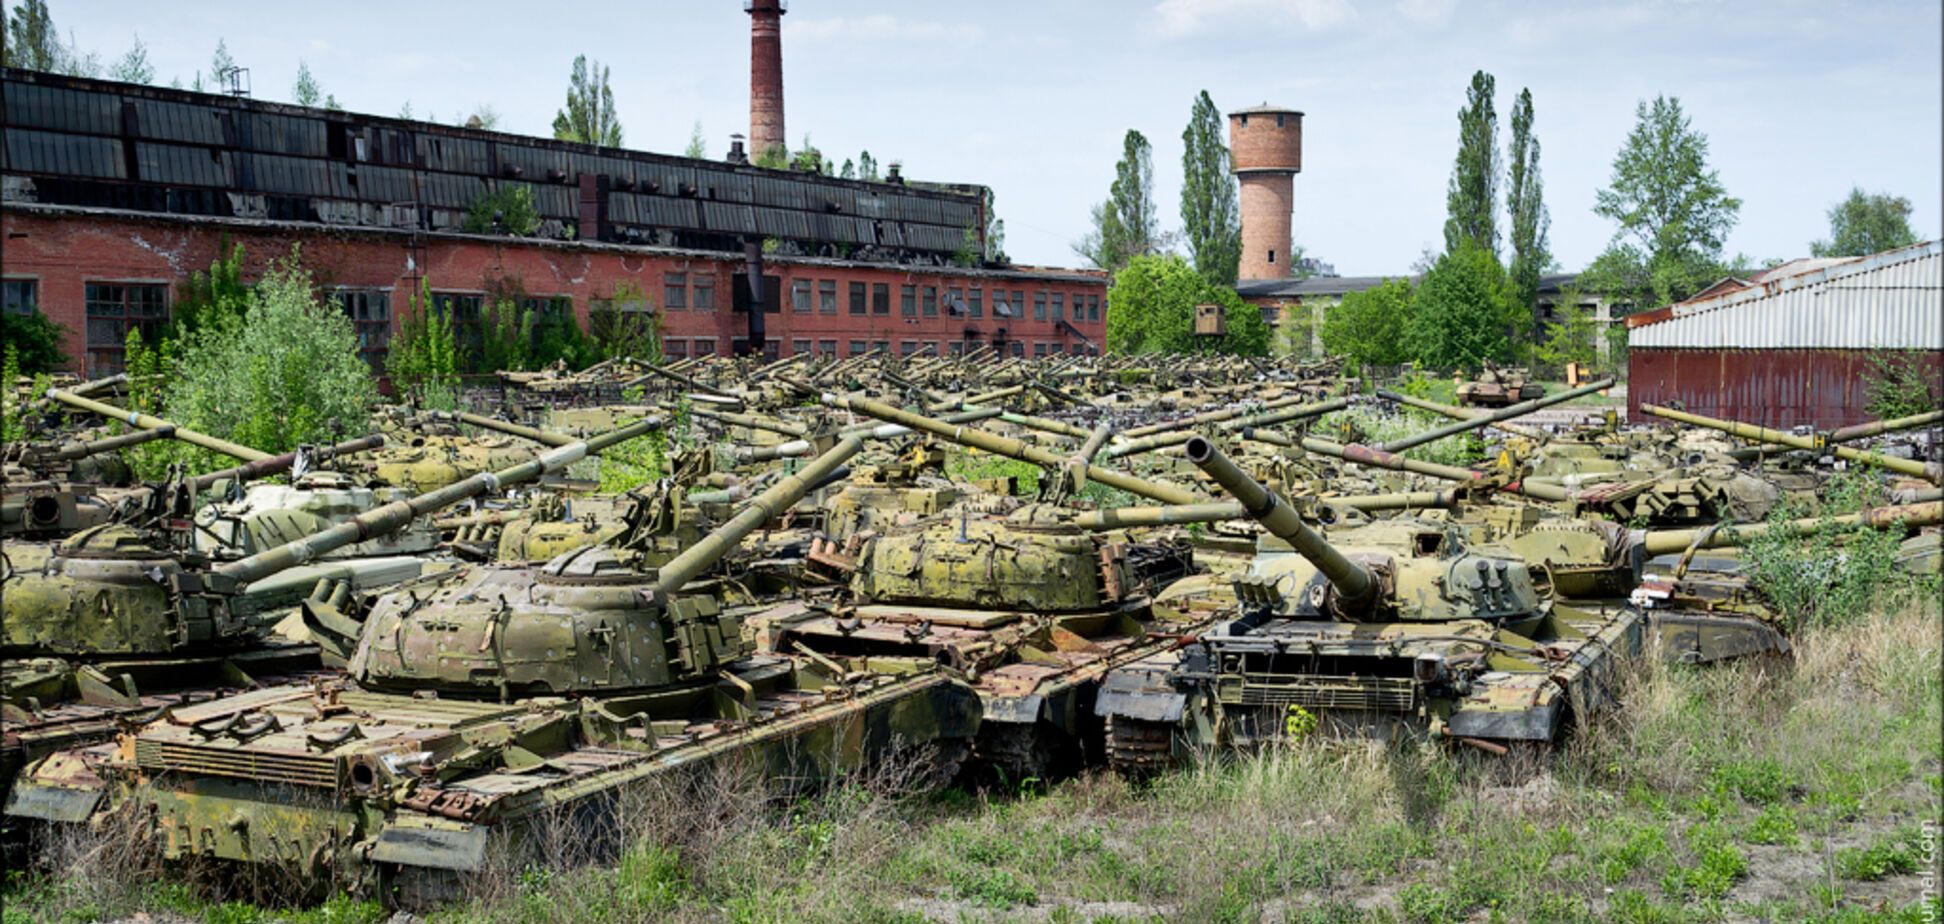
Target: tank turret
[(584, 622)]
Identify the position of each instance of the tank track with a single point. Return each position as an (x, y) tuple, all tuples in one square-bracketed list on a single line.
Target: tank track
[(1137, 748)]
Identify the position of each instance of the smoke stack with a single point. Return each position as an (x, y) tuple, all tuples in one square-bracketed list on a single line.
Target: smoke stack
[(765, 74)]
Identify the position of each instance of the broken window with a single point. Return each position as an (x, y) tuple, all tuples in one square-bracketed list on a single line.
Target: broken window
[(800, 295), (22, 296), (675, 291), (827, 296), (114, 309), (370, 312)]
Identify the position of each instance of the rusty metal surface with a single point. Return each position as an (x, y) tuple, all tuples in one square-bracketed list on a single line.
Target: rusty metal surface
[(1891, 300), (1824, 389)]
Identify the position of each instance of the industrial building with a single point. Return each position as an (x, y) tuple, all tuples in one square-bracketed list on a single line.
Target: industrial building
[(114, 193), (1793, 346)]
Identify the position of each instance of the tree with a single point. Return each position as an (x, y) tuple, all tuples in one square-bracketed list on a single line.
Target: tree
[(808, 159), (32, 41), (1462, 313), (423, 359), (1672, 213), (483, 116), (1124, 226), (306, 92), (220, 64), (995, 231), (405, 111), (33, 340), (1471, 201), (1574, 339), (867, 166), (210, 298), (698, 145), (284, 373), (1525, 206), (508, 209), (134, 67), (1151, 308), (589, 114), (1210, 216), (1368, 327), (1866, 223)]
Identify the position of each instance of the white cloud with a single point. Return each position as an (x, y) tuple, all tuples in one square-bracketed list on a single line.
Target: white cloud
[(879, 28), (1180, 18), (1426, 12)]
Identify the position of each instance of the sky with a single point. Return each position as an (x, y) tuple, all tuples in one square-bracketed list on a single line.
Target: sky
[(1801, 100)]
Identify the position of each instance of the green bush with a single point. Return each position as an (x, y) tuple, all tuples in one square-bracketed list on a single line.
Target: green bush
[(1151, 308), (34, 341), (1836, 575), (1367, 329), (1898, 384), (423, 360), (285, 372), (1899, 856), (1463, 313), (511, 204)]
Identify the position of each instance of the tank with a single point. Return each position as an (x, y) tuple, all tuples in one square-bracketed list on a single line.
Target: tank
[(1495, 387), (116, 623), (1393, 628), (490, 702)]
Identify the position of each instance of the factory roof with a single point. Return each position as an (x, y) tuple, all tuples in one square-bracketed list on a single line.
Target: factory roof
[(1890, 300)]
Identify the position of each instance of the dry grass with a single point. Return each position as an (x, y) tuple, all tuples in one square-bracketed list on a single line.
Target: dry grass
[(1740, 793)]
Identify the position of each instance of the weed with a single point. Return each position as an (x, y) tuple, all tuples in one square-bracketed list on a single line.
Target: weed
[(1896, 856), (1775, 826)]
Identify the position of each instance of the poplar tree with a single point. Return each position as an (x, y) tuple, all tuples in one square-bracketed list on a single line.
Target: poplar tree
[(1525, 205), (1209, 214), (1471, 202), (1124, 225), (589, 114), (134, 67)]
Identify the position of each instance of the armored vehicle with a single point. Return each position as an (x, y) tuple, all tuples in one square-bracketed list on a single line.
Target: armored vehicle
[(1495, 387), (1397, 627), (116, 622), (488, 703)]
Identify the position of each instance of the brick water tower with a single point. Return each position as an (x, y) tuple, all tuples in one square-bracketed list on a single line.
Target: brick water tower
[(765, 74), (1266, 153)]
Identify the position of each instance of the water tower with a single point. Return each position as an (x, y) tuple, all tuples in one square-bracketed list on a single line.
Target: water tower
[(1266, 153)]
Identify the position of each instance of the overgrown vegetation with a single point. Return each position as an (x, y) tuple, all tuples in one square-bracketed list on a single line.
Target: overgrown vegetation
[(1151, 308), (34, 340), (507, 209), (1836, 576), (1899, 384), (1732, 793), (423, 361), (283, 373)]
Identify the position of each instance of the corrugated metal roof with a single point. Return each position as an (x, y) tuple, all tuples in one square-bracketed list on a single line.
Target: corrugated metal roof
[(1891, 300)]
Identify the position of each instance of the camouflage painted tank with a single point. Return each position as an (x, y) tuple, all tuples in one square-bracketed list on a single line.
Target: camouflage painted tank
[(1495, 387), (116, 622), (1396, 627), (490, 703)]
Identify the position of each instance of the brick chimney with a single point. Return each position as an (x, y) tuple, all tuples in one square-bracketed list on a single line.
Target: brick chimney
[(765, 74)]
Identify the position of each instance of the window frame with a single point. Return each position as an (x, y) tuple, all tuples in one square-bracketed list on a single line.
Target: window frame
[(827, 296), (860, 299), (675, 290), (150, 324)]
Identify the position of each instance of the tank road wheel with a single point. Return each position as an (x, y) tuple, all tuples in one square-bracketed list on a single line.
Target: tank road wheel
[(1137, 748)]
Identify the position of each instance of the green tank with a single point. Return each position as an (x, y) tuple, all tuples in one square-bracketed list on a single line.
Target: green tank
[(1395, 627), (115, 623), (1495, 387), (485, 704)]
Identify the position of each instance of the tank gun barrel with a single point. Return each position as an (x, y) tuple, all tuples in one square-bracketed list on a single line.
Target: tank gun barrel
[(144, 421), (92, 386), (1814, 443), (1880, 427), (72, 451), (1355, 587), (535, 434), (753, 422), (1505, 413), (1286, 415), (1667, 541), (1215, 416), (1220, 511), (1455, 413), (764, 507), (681, 379), (397, 514), (261, 468), (1011, 448)]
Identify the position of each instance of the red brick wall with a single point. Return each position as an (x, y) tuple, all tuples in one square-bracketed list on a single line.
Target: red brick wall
[(63, 252), (1263, 145), (1266, 206)]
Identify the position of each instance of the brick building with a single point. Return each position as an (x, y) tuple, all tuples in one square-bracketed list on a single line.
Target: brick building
[(115, 193)]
